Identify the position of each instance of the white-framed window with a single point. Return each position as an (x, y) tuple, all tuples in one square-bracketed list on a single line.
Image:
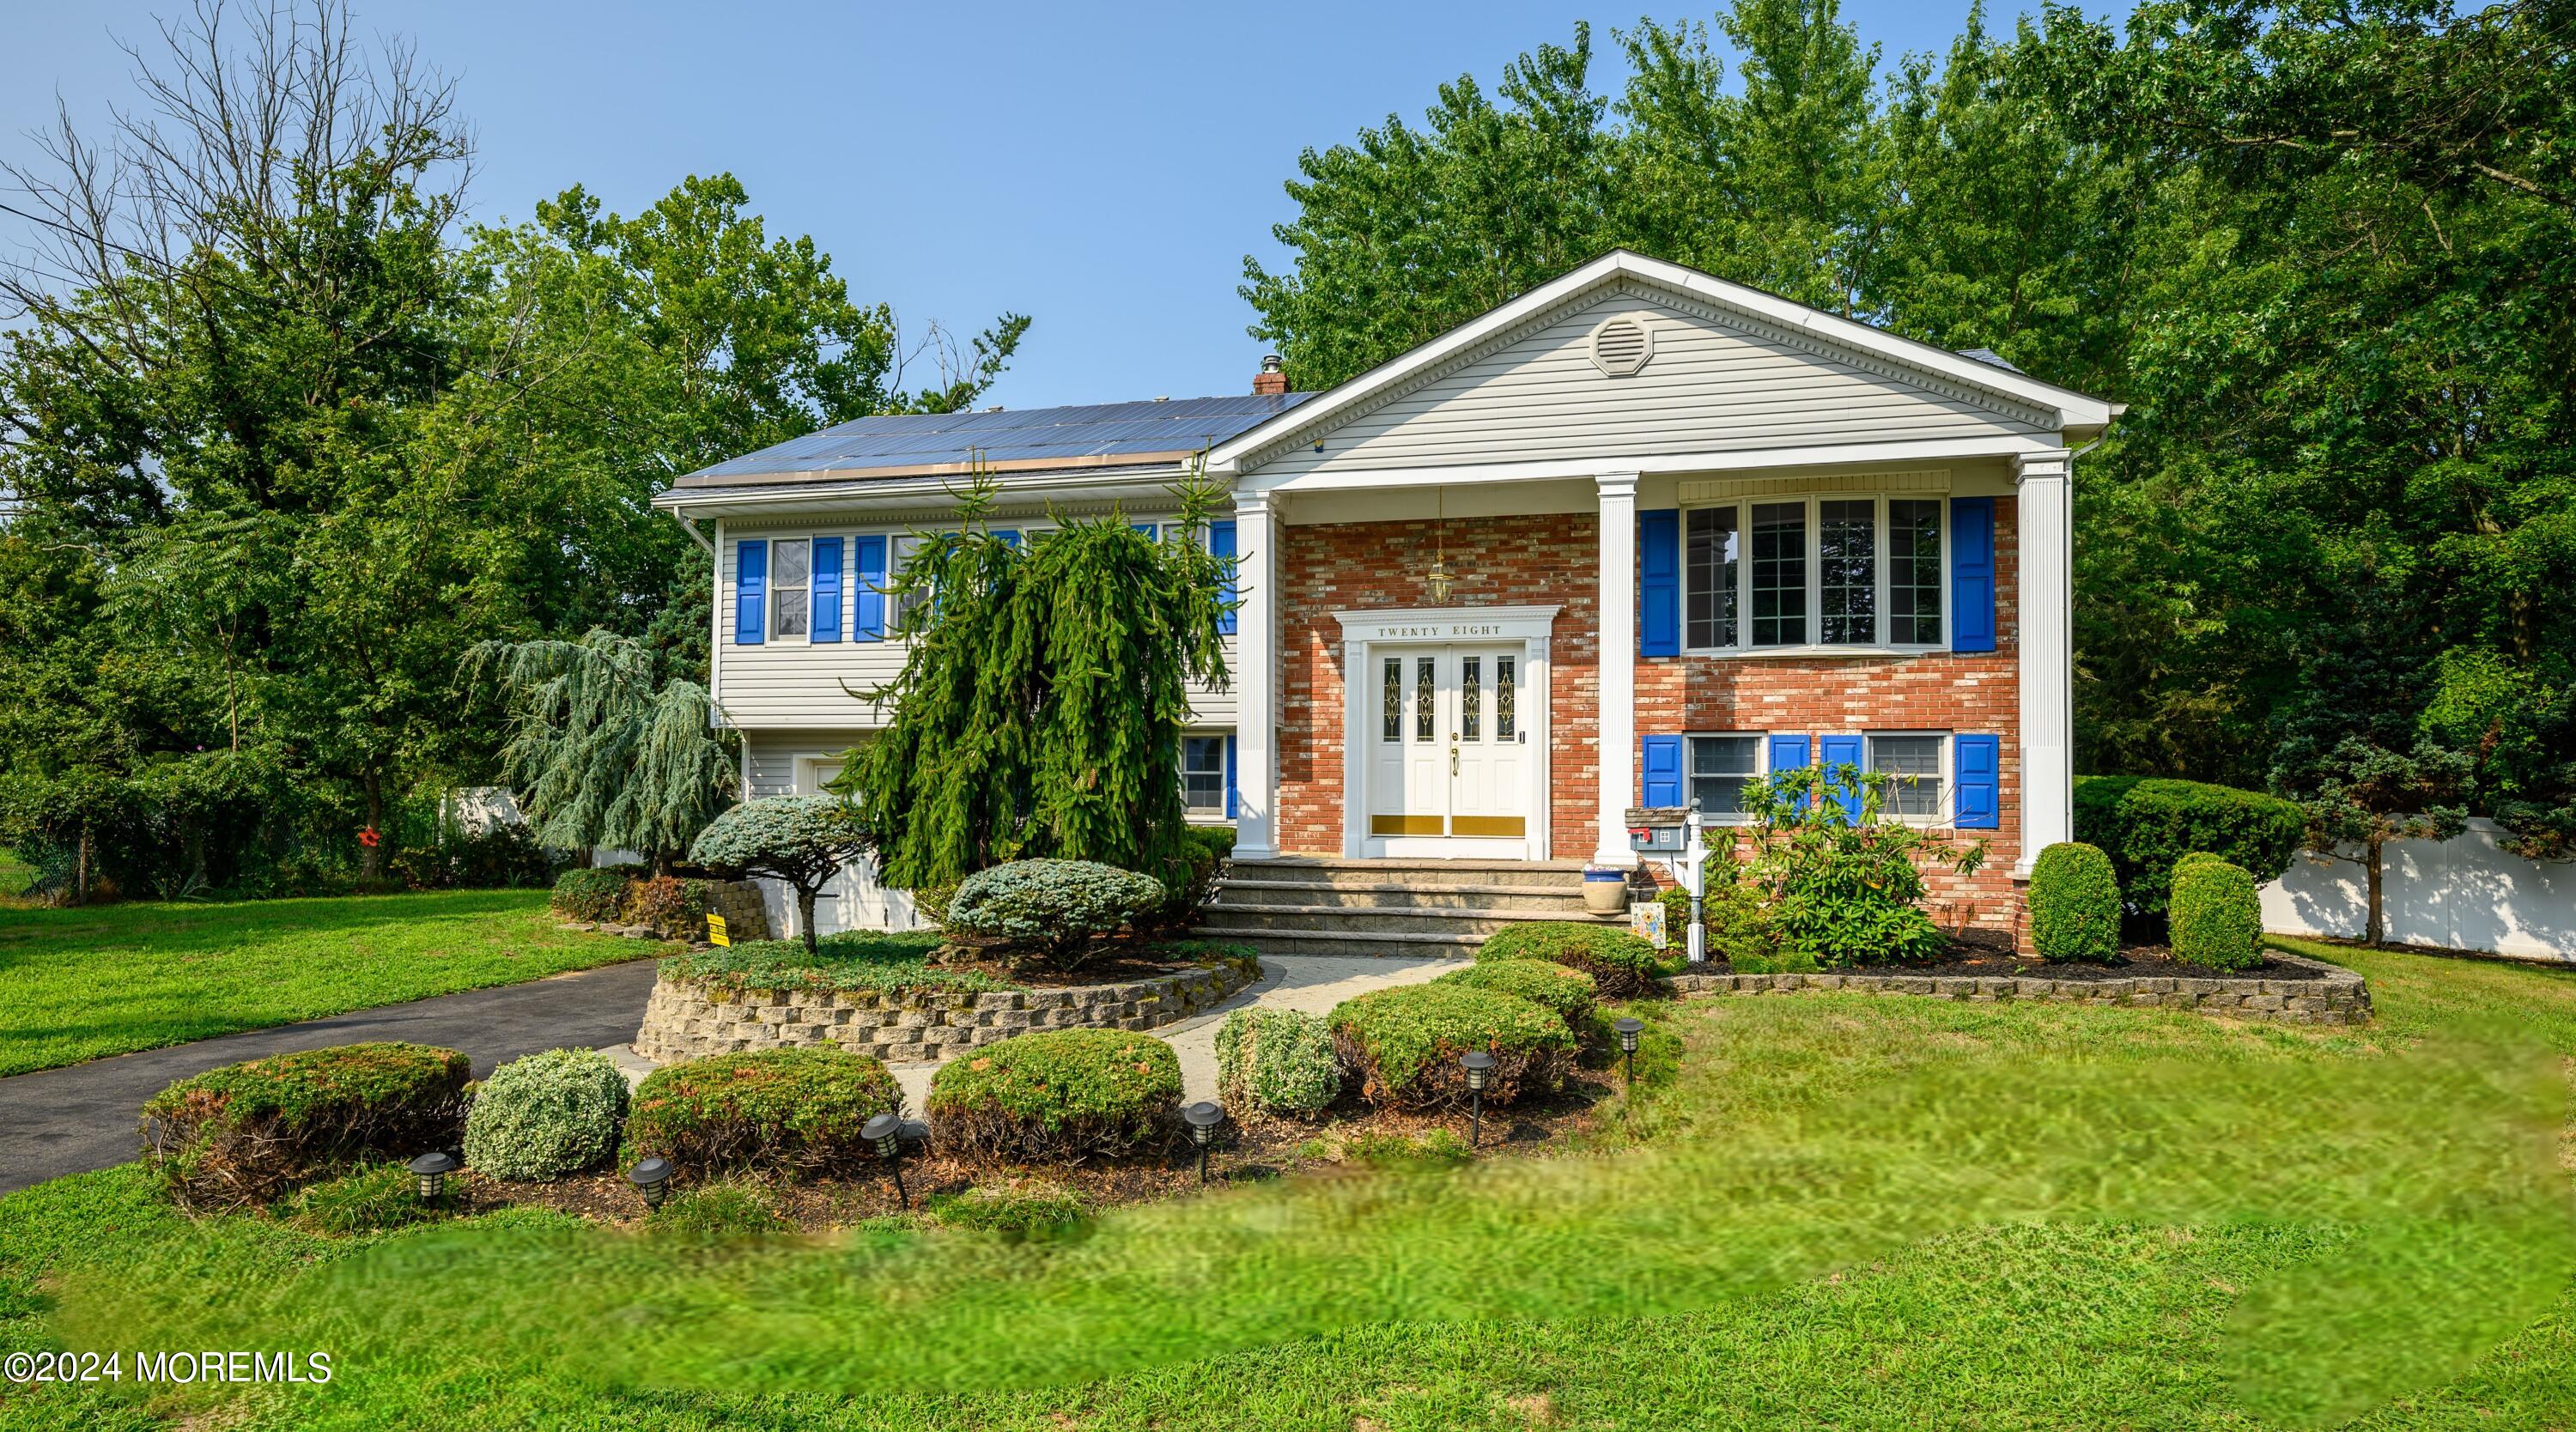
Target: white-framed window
[(1815, 572), (1919, 762), (1203, 775), (791, 584), (899, 550), (1720, 766)]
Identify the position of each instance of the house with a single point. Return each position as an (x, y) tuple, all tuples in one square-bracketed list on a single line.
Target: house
[(1633, 538)]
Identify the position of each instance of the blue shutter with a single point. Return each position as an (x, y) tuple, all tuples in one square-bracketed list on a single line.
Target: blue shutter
[(1663, 771), (1842, 751), (750, 588), (1221, 547), (1972, 574), (1659, 583), (1976, 764), (827, 590), (869, 601), (1229, 776)]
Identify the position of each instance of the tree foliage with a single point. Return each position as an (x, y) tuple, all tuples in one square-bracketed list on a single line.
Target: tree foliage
[(1040, 708), (802, 841), (600, 753)]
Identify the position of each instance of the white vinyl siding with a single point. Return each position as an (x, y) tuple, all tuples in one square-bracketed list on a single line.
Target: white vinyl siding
[(1711, 387), (795, 685), (797, 763)]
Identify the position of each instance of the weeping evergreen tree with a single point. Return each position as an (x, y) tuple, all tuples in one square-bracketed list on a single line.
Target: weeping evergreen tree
[(1040, 710), (599, 752)]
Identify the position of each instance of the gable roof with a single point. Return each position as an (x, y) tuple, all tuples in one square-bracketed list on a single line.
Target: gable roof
[(999, 439), (2072, 412)]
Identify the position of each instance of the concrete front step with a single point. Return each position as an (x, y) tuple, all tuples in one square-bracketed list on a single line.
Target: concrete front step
[(1339, 870), (1424, 946), (1238, 892), (1381, 919)]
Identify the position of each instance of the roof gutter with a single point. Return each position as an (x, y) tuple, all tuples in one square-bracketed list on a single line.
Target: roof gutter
[(910, 491)]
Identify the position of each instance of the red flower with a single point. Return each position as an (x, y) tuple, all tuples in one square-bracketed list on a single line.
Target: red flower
[(368, 837)]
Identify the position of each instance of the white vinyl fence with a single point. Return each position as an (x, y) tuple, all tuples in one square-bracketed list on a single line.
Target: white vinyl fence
[(2461, 894)]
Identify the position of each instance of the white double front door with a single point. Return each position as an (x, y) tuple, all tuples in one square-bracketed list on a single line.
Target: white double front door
[(1450, 751)]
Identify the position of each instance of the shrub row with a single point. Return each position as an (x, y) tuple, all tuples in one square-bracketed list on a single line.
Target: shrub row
[(1059, 1094), (623, 892), (2144, 825)]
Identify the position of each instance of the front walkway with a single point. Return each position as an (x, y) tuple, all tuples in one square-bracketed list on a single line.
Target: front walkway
[(1313, 983)]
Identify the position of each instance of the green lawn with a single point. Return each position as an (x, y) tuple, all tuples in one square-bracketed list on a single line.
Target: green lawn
[(1823, 1211), (110, 979), (14, 872)]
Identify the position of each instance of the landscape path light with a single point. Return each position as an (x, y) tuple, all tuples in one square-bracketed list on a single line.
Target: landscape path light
[(652, 1178), (1629, 1029), (1479, 1066), (432, 1168), (885, 1134), (1203, 1117)]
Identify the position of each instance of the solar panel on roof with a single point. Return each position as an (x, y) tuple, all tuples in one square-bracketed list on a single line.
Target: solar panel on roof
[(1093, 430)]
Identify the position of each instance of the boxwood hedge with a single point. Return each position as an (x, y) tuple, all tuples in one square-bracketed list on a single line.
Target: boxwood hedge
[(248, 1133), (1279, 1060), (1404, 1044), (2217, 918), (546, 1115), (2143, 824), (790, 1111), (1058, 1094), (1561, 990), (2074, 903), (1619, 960)]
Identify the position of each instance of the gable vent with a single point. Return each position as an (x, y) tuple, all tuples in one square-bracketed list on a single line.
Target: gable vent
[(1621, 345)]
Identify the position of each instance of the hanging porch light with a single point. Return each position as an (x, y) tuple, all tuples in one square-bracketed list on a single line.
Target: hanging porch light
[(1440, 580)]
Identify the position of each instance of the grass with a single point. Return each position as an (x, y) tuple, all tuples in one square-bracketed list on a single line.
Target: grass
[(1821, 1210), (856, 960), (15, 874), (110, 979)]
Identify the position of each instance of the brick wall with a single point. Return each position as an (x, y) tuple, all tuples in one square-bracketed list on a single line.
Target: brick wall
[(1539, 560)]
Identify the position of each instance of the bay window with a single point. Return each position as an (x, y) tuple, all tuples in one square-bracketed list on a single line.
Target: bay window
[(1820, 572)]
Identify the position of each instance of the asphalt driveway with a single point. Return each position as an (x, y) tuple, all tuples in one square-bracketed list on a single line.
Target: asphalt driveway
[(63, 1121)]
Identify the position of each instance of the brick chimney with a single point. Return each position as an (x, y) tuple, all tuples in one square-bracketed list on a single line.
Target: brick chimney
[(1272, 380)]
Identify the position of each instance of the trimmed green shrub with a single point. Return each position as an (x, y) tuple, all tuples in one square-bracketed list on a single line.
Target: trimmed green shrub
[(1020, 1209), (669, 904), (718, 1210), (2074, 903), (368, 1201), (1404, 1044), (2217, 919), (1620, 960), (1190, 881), (2194, 857), (546, 1115), (2145, 824), (790, 1111), (592, 894), (1058, 1094), (249, 1133), (1561, 990), (1281, 1060), (1056, 909)]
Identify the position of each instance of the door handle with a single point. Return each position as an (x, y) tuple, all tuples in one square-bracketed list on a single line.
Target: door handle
[(1453, 760)]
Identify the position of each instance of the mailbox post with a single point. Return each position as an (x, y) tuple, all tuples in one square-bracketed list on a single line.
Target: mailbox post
[(1674, 833)]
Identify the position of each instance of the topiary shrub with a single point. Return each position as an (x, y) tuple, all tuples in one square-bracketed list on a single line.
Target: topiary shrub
[(2145, 824), (1620, 961), (249, 1133), (2217, 919), (802, 841), (2193, 857), (589, 894), (546, 1115), (1281, 1060), (790, 1111), (717, 1211), (1020, 1209), (371, 1200), (1058, 910), (1561, 990), (2074, 903), (1065, 1094), (1404, 1044)]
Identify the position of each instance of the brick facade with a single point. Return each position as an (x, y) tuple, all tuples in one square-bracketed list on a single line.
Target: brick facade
[(1552, 559)]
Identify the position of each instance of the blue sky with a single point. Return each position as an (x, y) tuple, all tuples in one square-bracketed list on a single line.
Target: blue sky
[(1103, 171)]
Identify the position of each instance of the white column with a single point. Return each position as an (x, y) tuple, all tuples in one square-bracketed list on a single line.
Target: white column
[(1256, 678), (1618, 753), (2044, 622)]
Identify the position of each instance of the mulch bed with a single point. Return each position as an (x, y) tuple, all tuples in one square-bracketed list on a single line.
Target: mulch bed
[(1251, 1150)]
